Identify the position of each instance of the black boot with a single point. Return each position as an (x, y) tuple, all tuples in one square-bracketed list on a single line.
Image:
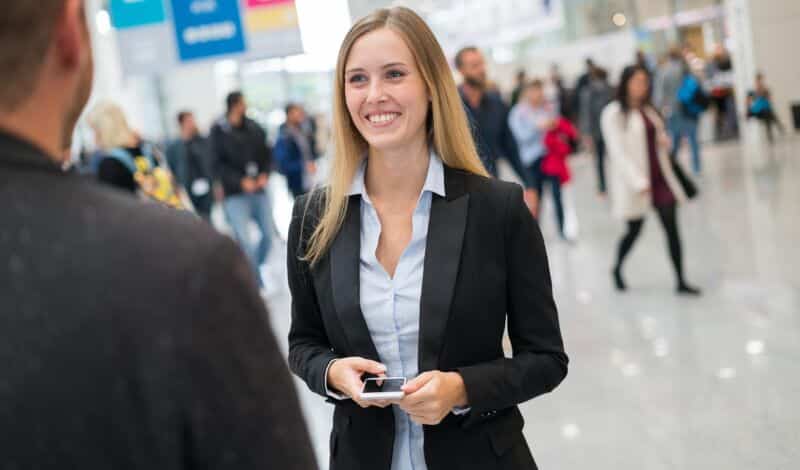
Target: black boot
[(619, 283), (687, 290)]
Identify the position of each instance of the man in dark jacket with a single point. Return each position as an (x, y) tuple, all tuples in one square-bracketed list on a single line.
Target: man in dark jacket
[(131, 336), (243, 164), (294, 151), (488, 115), (191, 161)]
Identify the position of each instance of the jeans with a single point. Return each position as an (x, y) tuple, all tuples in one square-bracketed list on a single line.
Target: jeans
[(680, 126), (539, 179), (240, 209)]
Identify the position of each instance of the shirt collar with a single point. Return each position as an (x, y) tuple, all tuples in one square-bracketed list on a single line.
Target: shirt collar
[(434, 181)]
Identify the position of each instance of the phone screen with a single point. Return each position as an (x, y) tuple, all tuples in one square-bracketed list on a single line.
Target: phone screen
[(383, 385)]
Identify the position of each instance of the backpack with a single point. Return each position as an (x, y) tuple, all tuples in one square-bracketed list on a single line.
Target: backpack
[(154, 181), (693, 100)]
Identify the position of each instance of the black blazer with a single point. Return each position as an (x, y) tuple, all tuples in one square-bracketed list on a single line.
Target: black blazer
[(485, 263), (132, 336)]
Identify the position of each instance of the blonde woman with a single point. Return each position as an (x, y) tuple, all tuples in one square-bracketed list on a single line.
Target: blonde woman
[(408, 264), (113, 134)]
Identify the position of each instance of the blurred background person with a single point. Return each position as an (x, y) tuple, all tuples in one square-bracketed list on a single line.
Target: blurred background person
[(759, 106), (519, 86), (595, 97), (243, 164), (488, 115), (192, 162), (118, 348), (720, 79), (692, 103), (125, 161), (641, 174), (294, 151), (529, 121), (580, 84), (558, 94)]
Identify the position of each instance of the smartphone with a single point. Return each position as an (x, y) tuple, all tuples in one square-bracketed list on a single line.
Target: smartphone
[(383, 388)]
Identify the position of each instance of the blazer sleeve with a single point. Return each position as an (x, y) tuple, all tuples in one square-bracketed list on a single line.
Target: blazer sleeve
[(310, 351), (539, 362), (611, 124), (239, 405)]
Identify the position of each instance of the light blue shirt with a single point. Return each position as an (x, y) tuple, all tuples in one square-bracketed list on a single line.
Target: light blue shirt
[(391, 306), (525, 121)]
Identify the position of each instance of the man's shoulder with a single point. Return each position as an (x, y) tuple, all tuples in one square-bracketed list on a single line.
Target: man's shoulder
[(131, 228)]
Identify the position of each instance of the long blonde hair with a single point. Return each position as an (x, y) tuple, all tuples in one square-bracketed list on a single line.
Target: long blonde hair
[(110, 126), (448, 129)]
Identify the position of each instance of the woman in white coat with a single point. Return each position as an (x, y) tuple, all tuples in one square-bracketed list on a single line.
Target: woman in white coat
[(640, 171)]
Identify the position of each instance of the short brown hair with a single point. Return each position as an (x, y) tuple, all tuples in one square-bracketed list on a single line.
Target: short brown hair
[(26, 28), (460, 54)]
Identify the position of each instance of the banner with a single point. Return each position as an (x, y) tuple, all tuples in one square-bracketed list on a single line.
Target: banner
[(132, 13), (207, 28), (272, 28)]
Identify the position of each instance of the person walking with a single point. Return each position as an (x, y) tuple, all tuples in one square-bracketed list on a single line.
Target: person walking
[(191, 160), (596, 96), (294, 151), (410, 263), (488, 115), (243, 164), (130, 336), (530, 121), (641, 174)]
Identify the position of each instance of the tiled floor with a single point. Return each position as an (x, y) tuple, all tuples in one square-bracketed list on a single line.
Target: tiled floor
[(658, 381)]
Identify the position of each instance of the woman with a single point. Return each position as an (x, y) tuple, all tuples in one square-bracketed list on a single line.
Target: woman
[(126, 162), (409, 263), (640, 170), (530, 120)]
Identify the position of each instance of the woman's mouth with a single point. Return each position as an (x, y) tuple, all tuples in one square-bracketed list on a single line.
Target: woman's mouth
[(382, 119)]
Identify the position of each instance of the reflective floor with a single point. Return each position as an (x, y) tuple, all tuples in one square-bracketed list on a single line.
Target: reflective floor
[(659, 381)]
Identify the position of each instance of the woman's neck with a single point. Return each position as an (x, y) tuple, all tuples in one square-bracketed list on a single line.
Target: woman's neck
[(397, 175), (637, 105)]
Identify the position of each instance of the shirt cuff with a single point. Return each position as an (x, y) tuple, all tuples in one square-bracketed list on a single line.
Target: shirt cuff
[(334, 395), (458, 411)]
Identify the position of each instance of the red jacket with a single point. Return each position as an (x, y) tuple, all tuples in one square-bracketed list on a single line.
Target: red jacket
[(559, 144)]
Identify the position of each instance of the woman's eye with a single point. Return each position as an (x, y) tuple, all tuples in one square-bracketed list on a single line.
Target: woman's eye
[(394, 74), (356, 79)]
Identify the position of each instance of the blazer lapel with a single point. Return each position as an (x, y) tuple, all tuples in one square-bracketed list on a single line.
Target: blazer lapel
[(345, 285), (446, 228)]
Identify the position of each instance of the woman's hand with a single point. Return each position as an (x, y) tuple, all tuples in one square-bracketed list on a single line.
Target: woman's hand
[(432, 395), (344, 376)]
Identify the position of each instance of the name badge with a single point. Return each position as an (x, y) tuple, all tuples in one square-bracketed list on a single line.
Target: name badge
[(200, 187)]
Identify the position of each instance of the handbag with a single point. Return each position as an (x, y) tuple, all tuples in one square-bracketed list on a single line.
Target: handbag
[(686, 183)]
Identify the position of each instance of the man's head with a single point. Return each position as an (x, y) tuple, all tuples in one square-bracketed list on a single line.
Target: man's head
[(235, 105), (187, 124), (589, 64), (295, 115), (521, 77), (45, 54), (470, 63)]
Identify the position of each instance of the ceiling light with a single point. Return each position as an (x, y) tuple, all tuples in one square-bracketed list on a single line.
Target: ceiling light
[(619, 19)]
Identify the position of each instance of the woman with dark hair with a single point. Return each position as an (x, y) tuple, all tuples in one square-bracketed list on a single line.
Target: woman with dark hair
[(641, 175)]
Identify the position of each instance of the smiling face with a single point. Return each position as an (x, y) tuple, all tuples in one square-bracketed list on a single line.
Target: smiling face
[(385, 92)]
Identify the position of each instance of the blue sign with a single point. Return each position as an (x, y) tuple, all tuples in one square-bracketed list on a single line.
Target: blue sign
[(130, 13), (207, 28)]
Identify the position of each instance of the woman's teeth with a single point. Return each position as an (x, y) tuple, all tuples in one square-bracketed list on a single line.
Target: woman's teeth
[(382, 118)]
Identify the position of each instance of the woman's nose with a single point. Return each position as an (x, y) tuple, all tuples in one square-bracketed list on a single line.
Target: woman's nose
[(376, 92)]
